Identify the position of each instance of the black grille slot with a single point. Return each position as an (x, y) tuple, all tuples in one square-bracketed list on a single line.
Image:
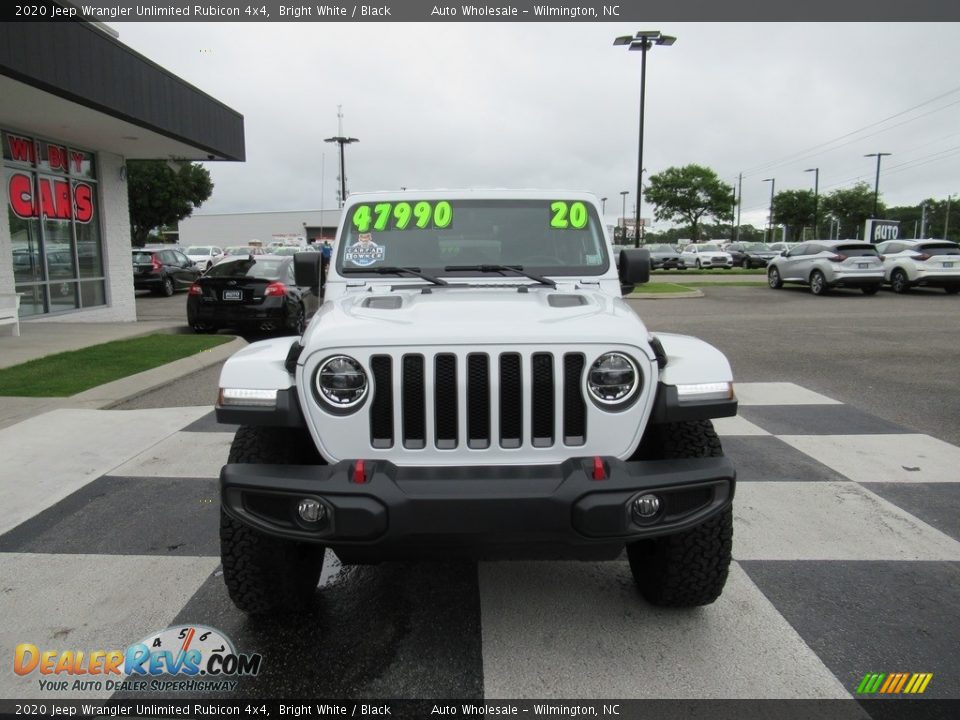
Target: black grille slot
[(413, 403), (542, 413), (445, 401), (478, 401), (574, 408), (511, 401), (683, 501), (381, 409)]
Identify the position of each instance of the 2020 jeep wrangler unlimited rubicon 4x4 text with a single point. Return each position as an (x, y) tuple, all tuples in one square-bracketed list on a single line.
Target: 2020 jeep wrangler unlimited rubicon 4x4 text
[(474, 385)]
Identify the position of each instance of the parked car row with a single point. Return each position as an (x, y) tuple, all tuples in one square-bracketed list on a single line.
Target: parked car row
[(826, 264)]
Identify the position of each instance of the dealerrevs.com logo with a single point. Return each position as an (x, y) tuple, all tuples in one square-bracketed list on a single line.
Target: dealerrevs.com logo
[(186, 658)]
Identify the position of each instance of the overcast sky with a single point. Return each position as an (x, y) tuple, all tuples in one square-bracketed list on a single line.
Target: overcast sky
[(556, 106)]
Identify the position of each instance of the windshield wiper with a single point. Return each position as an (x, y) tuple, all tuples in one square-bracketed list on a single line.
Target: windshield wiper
[(504, 268), (394, 270)]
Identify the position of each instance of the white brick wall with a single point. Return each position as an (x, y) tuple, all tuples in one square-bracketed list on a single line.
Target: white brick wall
[(6, 245)]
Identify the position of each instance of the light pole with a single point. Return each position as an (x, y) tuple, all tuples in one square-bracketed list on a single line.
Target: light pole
[(603, 206), (923, 220), (341, 141), (816, 199), (642, 41), (946, 221), (623, 216), (876, 183), (739, 203), (773, 184)]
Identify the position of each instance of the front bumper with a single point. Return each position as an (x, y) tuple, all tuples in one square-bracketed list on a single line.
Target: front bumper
[(500, 511)]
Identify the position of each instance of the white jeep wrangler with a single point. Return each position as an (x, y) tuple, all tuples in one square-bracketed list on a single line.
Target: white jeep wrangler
[(474, 385)]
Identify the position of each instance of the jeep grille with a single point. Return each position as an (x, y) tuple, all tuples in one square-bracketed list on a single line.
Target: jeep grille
[(467, 382)]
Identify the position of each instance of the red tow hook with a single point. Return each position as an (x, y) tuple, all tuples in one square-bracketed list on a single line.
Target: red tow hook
[(599, 471), (359, 473)]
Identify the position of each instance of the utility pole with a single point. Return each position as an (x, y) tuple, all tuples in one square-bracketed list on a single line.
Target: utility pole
[(946, 222), (876, 183), (739, 202), (816, 199), (341, 140)]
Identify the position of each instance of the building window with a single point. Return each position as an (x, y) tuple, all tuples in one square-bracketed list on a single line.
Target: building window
[(53, 206)]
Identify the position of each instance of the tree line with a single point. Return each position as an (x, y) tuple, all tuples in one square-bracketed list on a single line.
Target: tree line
[(693, 195)]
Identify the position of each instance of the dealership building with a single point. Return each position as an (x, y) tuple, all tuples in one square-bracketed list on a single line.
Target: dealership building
[(76, 105)]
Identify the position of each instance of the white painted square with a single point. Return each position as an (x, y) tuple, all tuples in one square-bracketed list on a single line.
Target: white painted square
[(53, 455), (581, 630), (779, 393), (736, 426), (183, 454), (829, 521), (88, 602), (905, 458)]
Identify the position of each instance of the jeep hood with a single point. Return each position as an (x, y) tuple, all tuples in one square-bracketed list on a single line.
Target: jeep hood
[(474, 316)]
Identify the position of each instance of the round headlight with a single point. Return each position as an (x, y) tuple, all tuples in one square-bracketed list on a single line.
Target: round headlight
[(341, 382), (613, 379)]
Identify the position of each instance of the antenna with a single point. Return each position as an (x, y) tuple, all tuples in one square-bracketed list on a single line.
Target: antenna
[(341, 140)]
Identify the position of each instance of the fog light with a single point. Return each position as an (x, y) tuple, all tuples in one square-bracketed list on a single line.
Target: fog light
[(646, 506), (311, 511)]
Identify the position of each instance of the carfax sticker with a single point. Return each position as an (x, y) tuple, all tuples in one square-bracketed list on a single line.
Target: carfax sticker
[(364, 251)]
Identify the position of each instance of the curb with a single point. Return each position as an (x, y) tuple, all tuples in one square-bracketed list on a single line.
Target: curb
[(114, 393)]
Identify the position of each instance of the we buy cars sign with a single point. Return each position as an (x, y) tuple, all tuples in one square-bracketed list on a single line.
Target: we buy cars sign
[(51, 198)]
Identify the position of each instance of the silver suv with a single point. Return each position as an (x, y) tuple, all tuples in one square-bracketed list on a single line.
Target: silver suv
[(826, 264), (932, 263)]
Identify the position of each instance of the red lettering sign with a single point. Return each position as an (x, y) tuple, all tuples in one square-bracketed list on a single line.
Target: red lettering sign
[(57, 202), (77, 161), (22, 149), (57, 156)]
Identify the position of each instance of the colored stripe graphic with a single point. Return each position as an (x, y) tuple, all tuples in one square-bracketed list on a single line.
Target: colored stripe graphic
[(894, 683)]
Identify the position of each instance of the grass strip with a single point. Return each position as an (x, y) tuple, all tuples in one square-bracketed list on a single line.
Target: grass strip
[(69, 373), (661, 288)]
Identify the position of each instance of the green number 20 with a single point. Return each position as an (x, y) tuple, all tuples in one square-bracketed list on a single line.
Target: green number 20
[(566, 216)]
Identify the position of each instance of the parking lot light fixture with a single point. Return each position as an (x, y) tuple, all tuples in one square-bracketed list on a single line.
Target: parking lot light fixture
[(642, 41), (876, 182), (816, 200), (773, 184), (603, 206)]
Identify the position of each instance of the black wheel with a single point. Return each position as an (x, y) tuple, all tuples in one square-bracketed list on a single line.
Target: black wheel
[(699, 266), (818, 283), (690, 568), (745, 264), (298, 322), (870, 289), (952, 289), (773, 278), (166, 287), (264, 574), (899, 282)]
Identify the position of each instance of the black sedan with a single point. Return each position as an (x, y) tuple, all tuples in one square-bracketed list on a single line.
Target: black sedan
[(163, 271), (751, 254), (257, 292)]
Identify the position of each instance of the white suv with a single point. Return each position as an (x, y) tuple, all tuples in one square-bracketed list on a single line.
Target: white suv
[(933, 263), (701, 256), (826, 264)]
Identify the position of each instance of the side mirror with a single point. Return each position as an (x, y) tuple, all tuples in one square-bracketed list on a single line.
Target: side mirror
[(634, 268), (306, 269), (784, 253)]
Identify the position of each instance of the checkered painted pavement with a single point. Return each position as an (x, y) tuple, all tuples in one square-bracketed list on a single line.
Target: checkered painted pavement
[(846, 546)]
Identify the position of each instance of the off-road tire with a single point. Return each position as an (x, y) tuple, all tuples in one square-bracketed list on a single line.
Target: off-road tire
[(264, 574), (687, 569)]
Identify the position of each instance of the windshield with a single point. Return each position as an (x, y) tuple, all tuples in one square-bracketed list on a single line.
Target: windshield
[(549, 237), (758, 247), (941, 249), (196, 250)]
